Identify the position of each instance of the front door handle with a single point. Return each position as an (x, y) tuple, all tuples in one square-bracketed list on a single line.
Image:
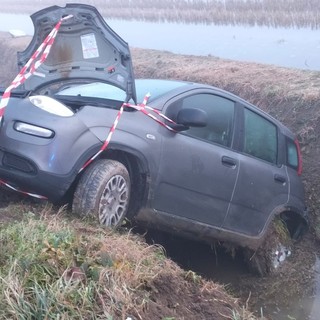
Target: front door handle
[(229, 162), (280, 178)]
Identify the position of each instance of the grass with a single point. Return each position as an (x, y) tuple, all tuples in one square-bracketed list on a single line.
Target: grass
[(54, 266), (272, 13), (281, 231), (50, 270)]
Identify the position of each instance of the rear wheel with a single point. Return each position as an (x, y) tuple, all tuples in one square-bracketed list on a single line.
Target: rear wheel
[(104, 192), (271, 255)]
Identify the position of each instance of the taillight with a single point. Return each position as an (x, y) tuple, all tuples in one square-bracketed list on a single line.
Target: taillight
[(299, 168)]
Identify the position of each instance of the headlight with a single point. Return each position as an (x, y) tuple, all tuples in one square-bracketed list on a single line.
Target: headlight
[(51, 105), (33, 130)]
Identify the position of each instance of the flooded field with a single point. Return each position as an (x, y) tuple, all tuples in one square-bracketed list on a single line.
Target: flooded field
[(293, 48)]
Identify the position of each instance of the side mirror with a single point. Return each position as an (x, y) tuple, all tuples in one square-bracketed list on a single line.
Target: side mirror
[(192, 117)]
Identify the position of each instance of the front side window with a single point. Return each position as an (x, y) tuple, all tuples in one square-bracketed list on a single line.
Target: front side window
[(260, 137), (220, 117)]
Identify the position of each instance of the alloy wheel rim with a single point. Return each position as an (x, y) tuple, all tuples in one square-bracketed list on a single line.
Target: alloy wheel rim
[(114, 201)]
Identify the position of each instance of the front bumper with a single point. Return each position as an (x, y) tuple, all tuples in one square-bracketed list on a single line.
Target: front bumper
[(23, 174), (45, 166)]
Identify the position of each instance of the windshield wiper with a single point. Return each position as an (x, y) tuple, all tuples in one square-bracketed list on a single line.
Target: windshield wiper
[(16, 93), (96, 102)]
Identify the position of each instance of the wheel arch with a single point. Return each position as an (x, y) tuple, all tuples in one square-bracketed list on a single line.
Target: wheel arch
[(137, 166), (138, 169), (276, 243), (296, 221)]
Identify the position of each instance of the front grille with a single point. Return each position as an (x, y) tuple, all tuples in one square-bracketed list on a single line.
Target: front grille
[(18, 163)]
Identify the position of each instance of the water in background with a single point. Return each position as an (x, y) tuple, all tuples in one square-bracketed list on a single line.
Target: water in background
[(293, 48)]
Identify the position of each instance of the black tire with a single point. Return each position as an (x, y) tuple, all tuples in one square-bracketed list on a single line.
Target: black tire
[(103, 191), (271, 255)]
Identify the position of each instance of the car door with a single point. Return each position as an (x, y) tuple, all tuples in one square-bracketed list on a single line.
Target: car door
[(198, 169), (262, 185)]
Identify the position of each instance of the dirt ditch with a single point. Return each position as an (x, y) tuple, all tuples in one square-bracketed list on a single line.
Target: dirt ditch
[(292, 96)]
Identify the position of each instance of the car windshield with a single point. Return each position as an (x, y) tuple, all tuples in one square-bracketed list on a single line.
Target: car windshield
[(94, 90), (155, 87), (107, 91)]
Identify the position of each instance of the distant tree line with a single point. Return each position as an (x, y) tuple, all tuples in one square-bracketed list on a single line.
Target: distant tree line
[(273, 13)]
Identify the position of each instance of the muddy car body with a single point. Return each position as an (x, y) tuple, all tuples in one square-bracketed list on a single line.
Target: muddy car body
[(223, 174)]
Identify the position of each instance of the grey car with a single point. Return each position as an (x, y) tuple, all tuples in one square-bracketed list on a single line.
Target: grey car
[(211, 166)]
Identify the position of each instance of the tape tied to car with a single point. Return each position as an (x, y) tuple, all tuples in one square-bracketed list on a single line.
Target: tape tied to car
[(34, 195), (30, 69), (142, 107), (32, 65)]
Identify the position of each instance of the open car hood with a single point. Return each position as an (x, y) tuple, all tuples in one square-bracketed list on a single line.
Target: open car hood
[(85, 49)]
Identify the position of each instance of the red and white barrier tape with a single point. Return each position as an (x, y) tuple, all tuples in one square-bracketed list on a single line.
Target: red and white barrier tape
[(141, 107), (23, 192), (106, 142), (28, 70), (31, 65)]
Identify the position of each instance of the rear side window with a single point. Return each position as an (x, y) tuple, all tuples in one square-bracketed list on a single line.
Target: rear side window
[(260, 137), (292, 154)]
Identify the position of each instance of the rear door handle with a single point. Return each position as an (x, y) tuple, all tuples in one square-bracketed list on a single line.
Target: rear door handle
[(229, 162), (280, 178)]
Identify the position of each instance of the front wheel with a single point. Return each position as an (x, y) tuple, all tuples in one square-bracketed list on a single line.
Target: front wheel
[(103, 191)]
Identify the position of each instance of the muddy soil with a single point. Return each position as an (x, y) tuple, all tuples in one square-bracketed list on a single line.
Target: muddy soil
[(282, 295), (292, 96), (290, 292)]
